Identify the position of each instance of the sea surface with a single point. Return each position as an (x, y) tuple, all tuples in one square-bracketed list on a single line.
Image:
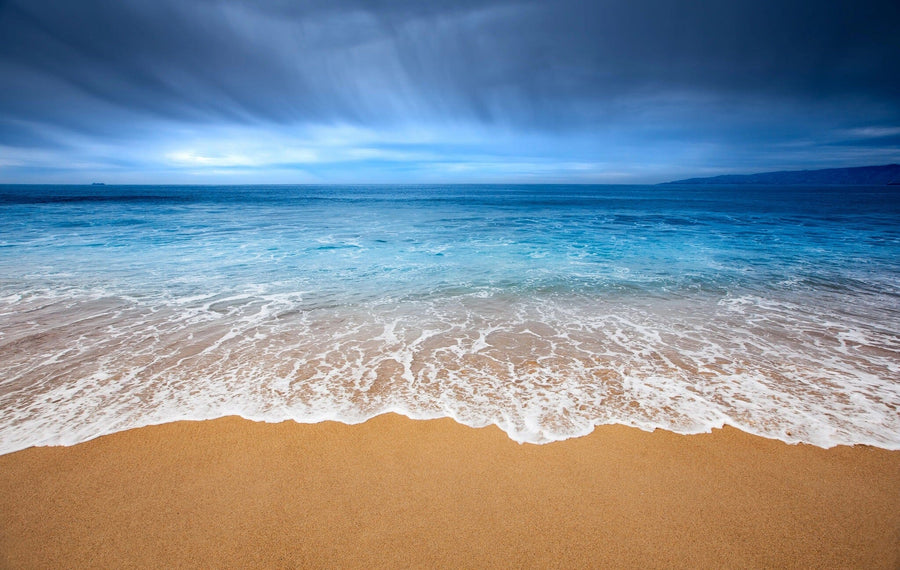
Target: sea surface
[(545, 310)]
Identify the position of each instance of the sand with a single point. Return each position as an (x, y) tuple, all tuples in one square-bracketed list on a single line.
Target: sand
[(400, 493)]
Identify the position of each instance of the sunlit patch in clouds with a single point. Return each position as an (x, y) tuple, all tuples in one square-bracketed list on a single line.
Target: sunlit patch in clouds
[(351, 154), (248, 157), (255, 147)]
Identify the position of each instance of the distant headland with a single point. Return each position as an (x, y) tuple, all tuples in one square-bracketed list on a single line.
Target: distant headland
[(861, 176)]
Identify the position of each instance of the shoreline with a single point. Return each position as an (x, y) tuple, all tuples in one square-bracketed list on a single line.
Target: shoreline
[(790, 438), (399, 492)]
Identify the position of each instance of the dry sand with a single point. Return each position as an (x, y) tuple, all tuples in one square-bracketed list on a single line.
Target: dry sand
[(400, 493)]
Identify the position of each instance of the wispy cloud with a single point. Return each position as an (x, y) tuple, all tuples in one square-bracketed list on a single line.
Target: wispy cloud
[(396, 89)]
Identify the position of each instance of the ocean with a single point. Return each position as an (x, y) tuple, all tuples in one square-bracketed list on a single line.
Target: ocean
[(543, 309)]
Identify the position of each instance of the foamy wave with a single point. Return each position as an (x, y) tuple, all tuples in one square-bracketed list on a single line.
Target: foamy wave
[(542, 368)]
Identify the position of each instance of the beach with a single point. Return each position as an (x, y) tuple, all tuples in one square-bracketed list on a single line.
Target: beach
[(493, 284), (394, 492), (501, 376)]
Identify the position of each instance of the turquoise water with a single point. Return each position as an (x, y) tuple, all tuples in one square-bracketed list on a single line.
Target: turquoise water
[(545, 310)]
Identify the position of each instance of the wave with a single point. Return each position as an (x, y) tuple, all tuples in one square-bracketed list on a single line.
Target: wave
[(542, 368)]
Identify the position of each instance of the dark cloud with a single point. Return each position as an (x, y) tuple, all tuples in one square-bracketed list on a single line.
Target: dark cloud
[(727, 72)]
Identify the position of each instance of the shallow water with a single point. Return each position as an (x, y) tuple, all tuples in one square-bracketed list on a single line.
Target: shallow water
[(545, 310)]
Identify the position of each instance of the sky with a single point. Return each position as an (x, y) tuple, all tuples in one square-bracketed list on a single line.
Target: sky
[(414, 91)]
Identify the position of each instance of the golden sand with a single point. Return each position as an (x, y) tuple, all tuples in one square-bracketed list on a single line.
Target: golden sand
[(399, 493)]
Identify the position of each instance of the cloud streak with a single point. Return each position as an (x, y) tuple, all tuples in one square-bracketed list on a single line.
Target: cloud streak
[(651, 89)]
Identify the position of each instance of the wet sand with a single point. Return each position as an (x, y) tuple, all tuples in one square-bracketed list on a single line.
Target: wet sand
[(399, 493)]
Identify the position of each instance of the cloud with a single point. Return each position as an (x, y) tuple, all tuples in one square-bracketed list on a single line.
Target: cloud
[(595, 82)]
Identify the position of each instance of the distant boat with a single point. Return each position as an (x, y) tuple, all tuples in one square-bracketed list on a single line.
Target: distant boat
[(98, 184)]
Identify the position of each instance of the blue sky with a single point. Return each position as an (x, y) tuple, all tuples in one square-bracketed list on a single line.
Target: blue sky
[(340, 91)]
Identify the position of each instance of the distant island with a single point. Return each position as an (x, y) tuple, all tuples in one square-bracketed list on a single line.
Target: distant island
[(862, 176)]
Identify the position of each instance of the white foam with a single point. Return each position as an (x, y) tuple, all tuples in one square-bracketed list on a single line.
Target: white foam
[(83, 365)]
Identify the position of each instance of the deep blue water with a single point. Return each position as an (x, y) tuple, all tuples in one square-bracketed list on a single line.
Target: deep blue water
[(544, 309)]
